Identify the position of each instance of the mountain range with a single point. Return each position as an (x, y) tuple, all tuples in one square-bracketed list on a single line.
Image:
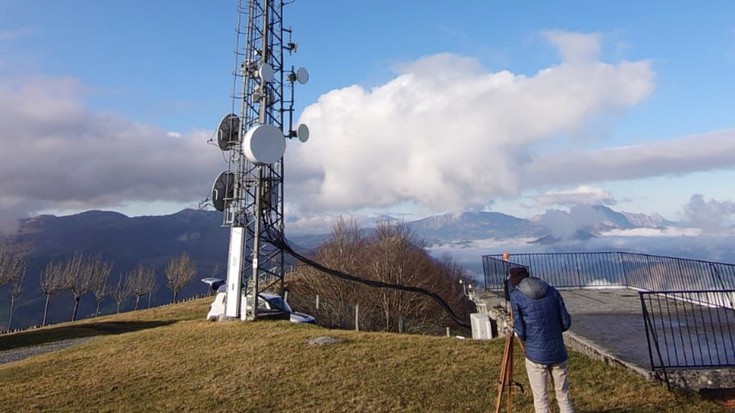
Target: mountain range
[(580, 223), (153, 240)]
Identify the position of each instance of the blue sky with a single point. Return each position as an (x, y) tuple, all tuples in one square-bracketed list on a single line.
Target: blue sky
[(415, 107)]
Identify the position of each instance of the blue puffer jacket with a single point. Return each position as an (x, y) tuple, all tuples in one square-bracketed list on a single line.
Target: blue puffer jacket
[(540, 317)]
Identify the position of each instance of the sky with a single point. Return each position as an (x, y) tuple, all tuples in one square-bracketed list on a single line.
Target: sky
[(415, 108)]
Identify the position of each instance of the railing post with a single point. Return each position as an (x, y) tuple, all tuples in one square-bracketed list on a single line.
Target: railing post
[(625, 273)]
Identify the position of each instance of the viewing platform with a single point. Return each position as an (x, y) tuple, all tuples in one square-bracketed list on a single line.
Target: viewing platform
[(633, 312)]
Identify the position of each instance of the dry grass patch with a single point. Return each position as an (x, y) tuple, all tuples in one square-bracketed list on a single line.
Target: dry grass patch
[(177, 362)]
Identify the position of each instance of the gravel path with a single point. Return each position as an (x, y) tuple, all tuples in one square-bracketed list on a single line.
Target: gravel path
[(21, 353)]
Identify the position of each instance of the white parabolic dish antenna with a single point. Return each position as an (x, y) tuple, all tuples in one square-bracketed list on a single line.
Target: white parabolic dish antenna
[(302, 76), (302, 132), (264, 144), (266, 72)]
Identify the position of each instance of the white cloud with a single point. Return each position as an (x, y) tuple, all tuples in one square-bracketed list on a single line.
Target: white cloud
[(709, 151), (563, 224), (583, 194), (444, 135), (58, 155), (447, 134), (712, 215), (575, 47), (653, 232)]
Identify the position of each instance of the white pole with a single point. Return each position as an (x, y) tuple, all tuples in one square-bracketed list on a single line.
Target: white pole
[(234, 272), (357, 317)]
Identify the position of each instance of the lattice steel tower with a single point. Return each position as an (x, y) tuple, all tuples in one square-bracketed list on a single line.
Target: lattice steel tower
[(253, 135)]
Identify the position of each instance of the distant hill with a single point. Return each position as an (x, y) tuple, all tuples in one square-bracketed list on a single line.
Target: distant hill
[(474, 225), (121, 240), (153, 240), (579, 223)]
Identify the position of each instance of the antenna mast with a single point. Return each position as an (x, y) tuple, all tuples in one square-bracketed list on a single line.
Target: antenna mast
[(250, 192)]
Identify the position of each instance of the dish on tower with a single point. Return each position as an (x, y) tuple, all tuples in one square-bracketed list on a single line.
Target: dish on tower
[(228, 132), (223, 190), (302, 132), (302, 76), (265, 72), (264, 144)]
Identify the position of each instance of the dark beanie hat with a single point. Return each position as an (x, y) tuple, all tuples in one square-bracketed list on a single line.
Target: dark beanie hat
[(517, 274)]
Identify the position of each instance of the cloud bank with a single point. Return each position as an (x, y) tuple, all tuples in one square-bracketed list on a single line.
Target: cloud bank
[(447, 134), (444, 135), (58, 155)]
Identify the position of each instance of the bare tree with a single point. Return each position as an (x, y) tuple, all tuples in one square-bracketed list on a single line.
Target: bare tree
[(390, 254), (120, 291), (15, 291), (337, 297), (179, 271), (12, 270), (100, 292), (51, 281), (151, 287), (82, 274), (12, 264), (399, 258), (141, 281), (99, 287)]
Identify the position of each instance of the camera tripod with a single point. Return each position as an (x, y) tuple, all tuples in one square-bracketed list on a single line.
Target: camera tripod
[(506, 373)]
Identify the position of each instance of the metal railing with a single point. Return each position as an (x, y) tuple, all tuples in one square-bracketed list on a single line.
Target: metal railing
[(562, 270), (687, 305), (613, 269), (684, 330)]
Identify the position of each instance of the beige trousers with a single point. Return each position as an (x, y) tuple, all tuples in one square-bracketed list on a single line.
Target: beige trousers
[(538, 376)]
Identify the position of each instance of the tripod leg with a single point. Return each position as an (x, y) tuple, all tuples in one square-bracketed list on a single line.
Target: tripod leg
[(509, 379), (506, 374)]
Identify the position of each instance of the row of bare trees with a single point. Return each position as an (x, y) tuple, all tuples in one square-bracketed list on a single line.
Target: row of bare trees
[(82, 274), (391, 254)]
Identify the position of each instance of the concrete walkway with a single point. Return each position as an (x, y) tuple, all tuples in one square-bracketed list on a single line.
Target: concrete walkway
[(610, 323)]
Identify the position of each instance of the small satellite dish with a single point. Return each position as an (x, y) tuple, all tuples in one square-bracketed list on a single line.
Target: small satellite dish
[(228, 131), (302, 132), (266, 72), (264, 144), (302, 75), (223, 190)]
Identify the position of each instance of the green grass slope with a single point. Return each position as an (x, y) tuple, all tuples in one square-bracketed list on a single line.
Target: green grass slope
[(169, 359)]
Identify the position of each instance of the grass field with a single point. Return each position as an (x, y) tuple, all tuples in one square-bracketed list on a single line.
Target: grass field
[(169, 359)]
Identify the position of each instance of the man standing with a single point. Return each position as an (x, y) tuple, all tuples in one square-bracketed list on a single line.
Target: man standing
[(540, 317)]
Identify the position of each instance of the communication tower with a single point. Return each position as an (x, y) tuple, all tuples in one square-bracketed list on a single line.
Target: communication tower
[(253, 135)]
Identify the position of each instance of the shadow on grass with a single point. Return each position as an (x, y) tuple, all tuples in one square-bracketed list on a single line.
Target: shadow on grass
[(52, 334)]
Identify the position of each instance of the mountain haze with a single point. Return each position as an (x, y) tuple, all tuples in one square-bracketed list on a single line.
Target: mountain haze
[(153, 240)]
